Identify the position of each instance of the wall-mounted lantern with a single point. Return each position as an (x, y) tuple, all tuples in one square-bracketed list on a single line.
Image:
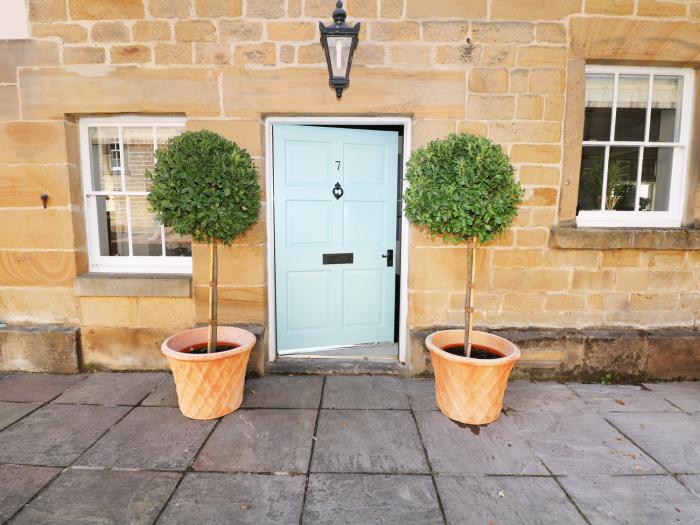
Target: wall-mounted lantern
[(339, 41)]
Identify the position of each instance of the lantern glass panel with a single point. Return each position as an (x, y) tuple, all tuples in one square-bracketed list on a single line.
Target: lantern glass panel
[(339, 54)]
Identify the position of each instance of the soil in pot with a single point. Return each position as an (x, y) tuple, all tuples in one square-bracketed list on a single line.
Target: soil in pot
[(202, 348), (478, 352)]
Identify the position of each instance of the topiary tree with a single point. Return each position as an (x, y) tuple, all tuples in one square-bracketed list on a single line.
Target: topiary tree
[(205, 186), (463, 189)]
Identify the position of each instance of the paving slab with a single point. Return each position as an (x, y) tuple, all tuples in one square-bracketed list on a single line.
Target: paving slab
[(164, 395), (18, 484), (496, 448), (421, 393), (671, 439), (685, 394), (56, 434), (363, 498), (101, 496), (581, 444), (35, 388), (149, 438), (365, 392), (366, 441), (261, 440), (283, 392), (11, 412), (622, 398), (504, 499), (528, 396), (223, 499), (633, 500), (110, 388)]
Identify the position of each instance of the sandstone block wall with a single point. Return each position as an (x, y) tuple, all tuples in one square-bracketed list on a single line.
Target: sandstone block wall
[(226, 64)]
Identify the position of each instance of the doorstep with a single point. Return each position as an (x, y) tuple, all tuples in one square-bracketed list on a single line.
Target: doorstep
[(329, 366)]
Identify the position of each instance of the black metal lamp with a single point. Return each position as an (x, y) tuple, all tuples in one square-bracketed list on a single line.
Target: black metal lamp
[(339, 41)]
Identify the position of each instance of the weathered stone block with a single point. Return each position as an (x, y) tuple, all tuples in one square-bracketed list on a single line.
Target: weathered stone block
[(9, 108), (170, 54), (160, 312), (609, 7), (133, 54), (263, 54), (239, 30), (84, 55), (236, 304), (219, 54), (661, 8), (39, 348), (446, 9), (311, 54), (105, 9), (22, 53), (410, 55), (602, 38), (252, 93), (110, 32), (503, 32), (170, 8), (238, 265), (488, 80), (495, 107), (70, 33), (529, 107), (511, 132), (541, 56), (266, 9), (51, 93), (217, 8), (291, 31), (195, 31), (109, 311), (533, 9), (47, 10), (37, 268), (497, 56), (38, 305), (394, 31), (248, 134), (551, 33), (150, 31), (547, 81), (123, 348), (449, 31), (540, 154), (390, 8)]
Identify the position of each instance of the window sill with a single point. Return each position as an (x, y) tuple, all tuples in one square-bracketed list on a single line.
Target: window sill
[(572, 238), (133, 285)]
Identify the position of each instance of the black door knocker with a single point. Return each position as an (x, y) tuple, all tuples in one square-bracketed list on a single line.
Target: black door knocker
[(338, 191)]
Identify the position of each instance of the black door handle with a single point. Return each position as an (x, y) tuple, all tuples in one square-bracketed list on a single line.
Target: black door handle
[(389, 256)]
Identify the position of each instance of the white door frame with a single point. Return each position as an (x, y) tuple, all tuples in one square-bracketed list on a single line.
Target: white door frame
[(269, 216)]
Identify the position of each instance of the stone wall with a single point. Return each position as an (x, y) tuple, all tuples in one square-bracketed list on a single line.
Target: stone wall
[(226, 64)]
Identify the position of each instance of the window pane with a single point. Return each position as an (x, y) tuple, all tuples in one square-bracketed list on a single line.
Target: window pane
[(339, 49), (655, 189), (632, 97), (145, 229), (163, 134), (105, 159), (665, 109), (111, 226), (622, 178), (590, 189), (177, 245), (599, 97), (138, 156)]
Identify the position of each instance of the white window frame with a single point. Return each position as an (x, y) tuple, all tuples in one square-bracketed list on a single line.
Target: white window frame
[(672, 218), (14, 22), (129, 264)]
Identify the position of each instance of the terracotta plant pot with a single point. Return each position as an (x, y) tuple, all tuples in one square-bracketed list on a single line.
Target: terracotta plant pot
[(471, 390), (209, 385)]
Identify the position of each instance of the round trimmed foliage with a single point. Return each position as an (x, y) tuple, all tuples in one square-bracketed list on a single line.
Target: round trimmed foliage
[(205, 186), (462, 187)]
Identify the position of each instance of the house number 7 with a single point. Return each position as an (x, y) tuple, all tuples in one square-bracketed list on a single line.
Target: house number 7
[(338, 163)]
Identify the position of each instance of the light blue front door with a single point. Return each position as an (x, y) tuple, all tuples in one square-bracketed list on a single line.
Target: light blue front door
[(335, 193)]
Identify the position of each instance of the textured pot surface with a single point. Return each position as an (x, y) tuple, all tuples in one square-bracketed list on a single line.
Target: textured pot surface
[(209, 385), (470, 390)]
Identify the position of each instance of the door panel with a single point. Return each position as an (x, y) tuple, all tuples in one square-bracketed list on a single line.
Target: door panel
[(329, 305)]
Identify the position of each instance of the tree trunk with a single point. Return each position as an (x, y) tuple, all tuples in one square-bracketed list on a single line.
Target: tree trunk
[(469, 297), (213, 295)]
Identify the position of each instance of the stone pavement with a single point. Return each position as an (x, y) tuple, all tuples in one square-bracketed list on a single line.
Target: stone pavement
[(112, 448)]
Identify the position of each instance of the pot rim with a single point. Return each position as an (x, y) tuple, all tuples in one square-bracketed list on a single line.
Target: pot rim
[(512, 356), (234, 335)]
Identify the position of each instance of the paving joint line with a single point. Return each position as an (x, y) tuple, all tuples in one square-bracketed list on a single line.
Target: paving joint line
[(566, 493), (430, 469), (311, 455)]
